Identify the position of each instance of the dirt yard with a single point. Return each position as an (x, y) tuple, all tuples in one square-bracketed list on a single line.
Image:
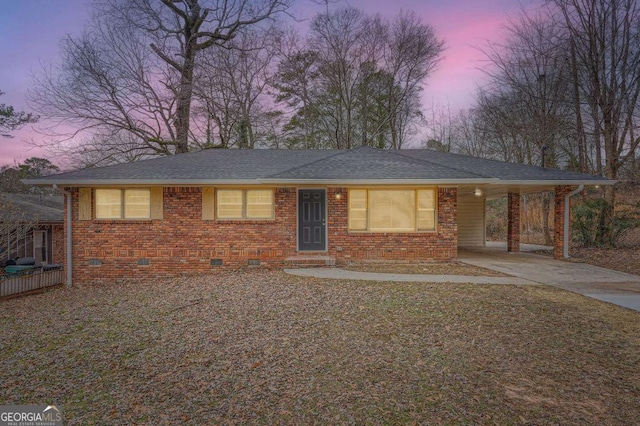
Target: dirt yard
[(266, 348)]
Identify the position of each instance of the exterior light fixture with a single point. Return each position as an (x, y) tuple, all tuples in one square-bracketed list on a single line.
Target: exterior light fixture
[(477, 192), (338, 195)]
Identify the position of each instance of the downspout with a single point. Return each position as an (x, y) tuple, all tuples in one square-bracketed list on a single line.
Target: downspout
[(566, 219), (68, 229)]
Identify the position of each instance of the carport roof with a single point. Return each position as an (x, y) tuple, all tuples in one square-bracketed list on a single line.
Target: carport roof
[(362, 165)]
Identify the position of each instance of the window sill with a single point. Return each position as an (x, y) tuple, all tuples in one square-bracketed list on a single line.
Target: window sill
[(128, 221), (432, 231), (245, 221)]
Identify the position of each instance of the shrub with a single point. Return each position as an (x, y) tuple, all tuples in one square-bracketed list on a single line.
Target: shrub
[(590, 227)]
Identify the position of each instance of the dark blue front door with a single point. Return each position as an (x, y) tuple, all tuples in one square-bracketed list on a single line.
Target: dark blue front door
[(311, 219)]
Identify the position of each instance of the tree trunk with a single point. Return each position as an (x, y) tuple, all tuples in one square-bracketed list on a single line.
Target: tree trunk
[(183, 105), (582, 141), (393, 125)]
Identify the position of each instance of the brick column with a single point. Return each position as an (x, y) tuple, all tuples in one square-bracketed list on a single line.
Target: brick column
[(513, 222), (558, 220)]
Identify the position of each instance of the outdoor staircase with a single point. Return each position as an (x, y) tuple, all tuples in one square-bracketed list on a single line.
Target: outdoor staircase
[(309, 261)]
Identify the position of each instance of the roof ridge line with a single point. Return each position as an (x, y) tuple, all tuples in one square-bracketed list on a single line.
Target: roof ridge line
[(342, 151), (397, 152)]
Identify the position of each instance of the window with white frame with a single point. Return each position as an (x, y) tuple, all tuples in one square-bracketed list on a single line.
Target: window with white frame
[(392, 210), (132, 203), (244, 203)]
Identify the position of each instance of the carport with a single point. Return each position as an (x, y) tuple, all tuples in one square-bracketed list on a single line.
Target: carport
[(472, 212)]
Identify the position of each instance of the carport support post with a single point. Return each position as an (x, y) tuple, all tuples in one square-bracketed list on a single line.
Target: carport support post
[(561, 221), (513, 222)]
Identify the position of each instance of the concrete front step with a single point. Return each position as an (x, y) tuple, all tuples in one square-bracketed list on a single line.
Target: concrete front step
[(309, 261)]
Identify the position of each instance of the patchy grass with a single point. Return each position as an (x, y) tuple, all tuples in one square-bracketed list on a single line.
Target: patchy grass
[(433, 268), (265, 347)]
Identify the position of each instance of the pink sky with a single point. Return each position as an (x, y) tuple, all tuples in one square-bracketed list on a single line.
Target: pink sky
[(30, 31)]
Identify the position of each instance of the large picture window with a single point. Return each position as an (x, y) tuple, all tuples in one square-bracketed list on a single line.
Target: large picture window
[(244, 203), (392, 210), (134, 203)]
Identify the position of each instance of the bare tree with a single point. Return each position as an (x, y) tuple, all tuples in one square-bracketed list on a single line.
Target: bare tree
[(443, 128), (411, 54), (109, 83), (567, 80), (231, 87), (133, 70), (526, 103), (357, 80), (529, 88), (344, 40), (605, 55), (469, 137), (179, 30), (106, 147)]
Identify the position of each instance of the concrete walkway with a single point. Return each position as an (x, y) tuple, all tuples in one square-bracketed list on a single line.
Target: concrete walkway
[(593, 281), (524, 269), (344, 274)]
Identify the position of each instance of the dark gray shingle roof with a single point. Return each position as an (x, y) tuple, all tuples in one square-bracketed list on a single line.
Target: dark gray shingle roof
[(214, 164), (368, 163), (36, 208), (272, 166), (497, 169)]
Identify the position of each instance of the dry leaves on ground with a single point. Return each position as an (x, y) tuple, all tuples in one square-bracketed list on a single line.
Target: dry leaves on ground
[(265, 347), (621, 259), (624, 259)]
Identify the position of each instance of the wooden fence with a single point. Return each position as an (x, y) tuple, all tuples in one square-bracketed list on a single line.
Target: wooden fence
[(35, 279)]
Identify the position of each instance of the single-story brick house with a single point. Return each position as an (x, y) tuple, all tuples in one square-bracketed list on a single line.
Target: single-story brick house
[(228, 208)]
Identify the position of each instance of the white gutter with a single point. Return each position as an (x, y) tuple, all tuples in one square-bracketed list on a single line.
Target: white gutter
[(346, 182), (590, 182), (141, 182), (566, 219), (337, 182), (69, 262), (267, 181)]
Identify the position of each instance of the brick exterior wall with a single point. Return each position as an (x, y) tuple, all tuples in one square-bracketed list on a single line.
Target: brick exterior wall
[(57, 248), (348, 246), (513, 222), (558, 220), (183, 243)]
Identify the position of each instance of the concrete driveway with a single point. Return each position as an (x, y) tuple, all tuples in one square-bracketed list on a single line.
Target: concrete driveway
[(592, 281)]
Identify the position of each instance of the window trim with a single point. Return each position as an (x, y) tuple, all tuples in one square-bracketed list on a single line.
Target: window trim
[(387, 231), (244, 204), (122, 204)]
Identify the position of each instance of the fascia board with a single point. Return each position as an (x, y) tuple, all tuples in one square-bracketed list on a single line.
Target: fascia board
[(208, 182)]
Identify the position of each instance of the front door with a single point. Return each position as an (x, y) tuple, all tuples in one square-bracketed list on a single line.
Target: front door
[(312, 224)]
